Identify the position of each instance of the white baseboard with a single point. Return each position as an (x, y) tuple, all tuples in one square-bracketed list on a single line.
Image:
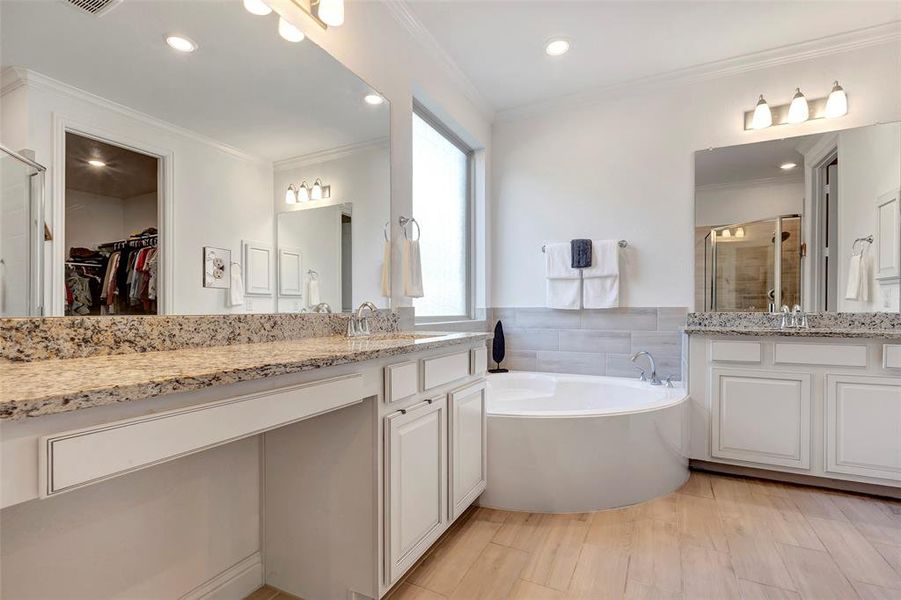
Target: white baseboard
[(235, 583)]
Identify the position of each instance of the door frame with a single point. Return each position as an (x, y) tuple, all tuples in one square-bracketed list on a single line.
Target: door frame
[(816, 161), (61, 125)]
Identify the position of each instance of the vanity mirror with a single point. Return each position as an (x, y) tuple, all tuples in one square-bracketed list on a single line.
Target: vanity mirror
[(170, 127), (813, 221)]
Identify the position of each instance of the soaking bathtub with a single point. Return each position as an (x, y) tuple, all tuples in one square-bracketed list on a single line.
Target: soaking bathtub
[(576, 443)]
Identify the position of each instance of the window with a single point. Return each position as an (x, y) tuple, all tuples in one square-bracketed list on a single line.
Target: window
[(441, 204)]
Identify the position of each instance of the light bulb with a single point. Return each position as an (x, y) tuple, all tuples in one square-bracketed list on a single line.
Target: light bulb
[(316, 190), (291, 195), (763, 118), (837, 103), (740, 232), (289, 31), (331, 12), (726, 233), (96, 163), (303, 194), (257, 7), (798, 111)]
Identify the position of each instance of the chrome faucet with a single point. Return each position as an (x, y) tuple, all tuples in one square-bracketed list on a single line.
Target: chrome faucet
[(795, 318), (322, 307), (654, 380), (358, 325)]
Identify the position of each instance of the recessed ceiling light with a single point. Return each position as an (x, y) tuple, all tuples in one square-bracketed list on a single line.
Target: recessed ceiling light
[(257, 7), (557, 47), (373, 99), (289, 31), (180, 43), (96, 163), (787, 166)]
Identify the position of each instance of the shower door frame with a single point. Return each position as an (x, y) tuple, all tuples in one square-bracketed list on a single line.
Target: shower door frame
[(777, 258)]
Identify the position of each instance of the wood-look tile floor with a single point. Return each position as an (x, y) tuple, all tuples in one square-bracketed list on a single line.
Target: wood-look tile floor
[(716, 538)]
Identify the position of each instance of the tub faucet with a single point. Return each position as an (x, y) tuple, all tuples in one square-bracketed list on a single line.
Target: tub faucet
[(654, 379)]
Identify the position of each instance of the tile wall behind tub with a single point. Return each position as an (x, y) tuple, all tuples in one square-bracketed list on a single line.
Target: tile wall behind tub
[(592, 342)]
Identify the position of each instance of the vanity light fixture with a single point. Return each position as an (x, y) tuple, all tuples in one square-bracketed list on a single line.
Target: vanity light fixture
[(373, 99), (96, 163), (303, 193), (291, 195), (289, 32), (316, 190), (180, 42), (557, 47), (330, 11), (762, 118), (787, 166), (257, 7), (739, 232), (726, 233), (798, 110), (837, 102)]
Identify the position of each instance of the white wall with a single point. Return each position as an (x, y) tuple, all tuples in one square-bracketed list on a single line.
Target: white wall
[(92, 219), (623, 168), (316, 232), (869, 165), (361, 179), (748, 201)]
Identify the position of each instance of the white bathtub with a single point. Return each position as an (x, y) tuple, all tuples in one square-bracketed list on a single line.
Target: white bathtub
[(577, 443)]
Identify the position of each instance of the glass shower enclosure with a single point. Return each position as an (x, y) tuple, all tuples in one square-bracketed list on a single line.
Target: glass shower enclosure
[(22, 234), (753, 266)]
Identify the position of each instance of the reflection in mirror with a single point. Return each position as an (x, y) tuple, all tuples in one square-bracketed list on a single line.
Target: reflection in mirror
[(813, 221), (158, 154)]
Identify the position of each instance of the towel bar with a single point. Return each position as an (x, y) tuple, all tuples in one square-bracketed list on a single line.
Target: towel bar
[(621, 244)]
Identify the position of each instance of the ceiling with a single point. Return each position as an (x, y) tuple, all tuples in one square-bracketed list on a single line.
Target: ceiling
[(751, 162), (245, 86), (499, 45), (127, 174)]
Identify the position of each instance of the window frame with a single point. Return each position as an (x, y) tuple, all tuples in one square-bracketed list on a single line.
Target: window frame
[(435, 123)]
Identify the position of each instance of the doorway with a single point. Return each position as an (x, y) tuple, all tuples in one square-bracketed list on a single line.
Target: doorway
[(347, 297), (825, 208)]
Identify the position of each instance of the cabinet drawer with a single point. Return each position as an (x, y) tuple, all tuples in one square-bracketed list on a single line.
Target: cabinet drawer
[(729, 351), (444, 369), (838, 355), (479, 361), (891, 356), (80, 457), (401, 381)]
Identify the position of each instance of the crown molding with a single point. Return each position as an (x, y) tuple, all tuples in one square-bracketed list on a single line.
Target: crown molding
[(786, 179), (403, 14), (13, 78), (321, 156), (792, 53)]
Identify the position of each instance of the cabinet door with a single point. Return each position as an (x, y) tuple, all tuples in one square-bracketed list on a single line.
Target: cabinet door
[(468, 442), (863, 426), (761, 417), (415, 483)]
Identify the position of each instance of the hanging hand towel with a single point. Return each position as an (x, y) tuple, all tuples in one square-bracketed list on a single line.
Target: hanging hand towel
[(564, 284), (600, 281), (412, 268), (313, 291), (236, 287), (386, 270), (858, 278)]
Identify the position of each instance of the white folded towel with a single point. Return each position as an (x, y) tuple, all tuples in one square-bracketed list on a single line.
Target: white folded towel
[(236, 286), (386, 270), (313, 292), (564, 284), (858, 278), (600, 281), (412, 269)]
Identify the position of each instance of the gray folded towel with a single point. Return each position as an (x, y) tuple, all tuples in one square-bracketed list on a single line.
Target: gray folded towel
[(581, 252)]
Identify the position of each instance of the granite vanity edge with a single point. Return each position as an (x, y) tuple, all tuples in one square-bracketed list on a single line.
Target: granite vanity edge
[(11, 410), (889, 334), (875, 322)]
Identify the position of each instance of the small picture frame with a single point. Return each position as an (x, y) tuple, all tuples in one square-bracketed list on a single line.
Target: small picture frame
[(216, 267)]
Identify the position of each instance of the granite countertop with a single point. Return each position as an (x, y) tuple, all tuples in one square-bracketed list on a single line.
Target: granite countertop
[(825, 332), (32, 389)]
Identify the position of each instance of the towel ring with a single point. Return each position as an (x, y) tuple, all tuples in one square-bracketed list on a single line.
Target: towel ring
[(313, 274), (403, 225), (385, 230), (868, 239)]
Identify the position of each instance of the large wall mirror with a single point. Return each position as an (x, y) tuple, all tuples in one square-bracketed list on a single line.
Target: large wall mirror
[(197, 162), (813, 221)]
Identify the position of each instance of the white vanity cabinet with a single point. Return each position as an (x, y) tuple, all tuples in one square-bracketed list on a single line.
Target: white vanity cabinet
[(823, 407), (468, 460), (415, 482)]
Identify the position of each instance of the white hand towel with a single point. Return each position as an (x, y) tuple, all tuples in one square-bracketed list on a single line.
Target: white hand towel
[(858, 277), (865, 275), (386, 270), (600, 281), (236, 287), (564, 284), (313, 292), (412, 268)]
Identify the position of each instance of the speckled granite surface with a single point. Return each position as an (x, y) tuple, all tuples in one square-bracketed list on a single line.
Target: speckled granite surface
[(76, 337), (857, 325), (32, 389)]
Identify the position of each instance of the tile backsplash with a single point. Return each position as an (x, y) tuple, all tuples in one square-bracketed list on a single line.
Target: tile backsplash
[(591, 342)]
